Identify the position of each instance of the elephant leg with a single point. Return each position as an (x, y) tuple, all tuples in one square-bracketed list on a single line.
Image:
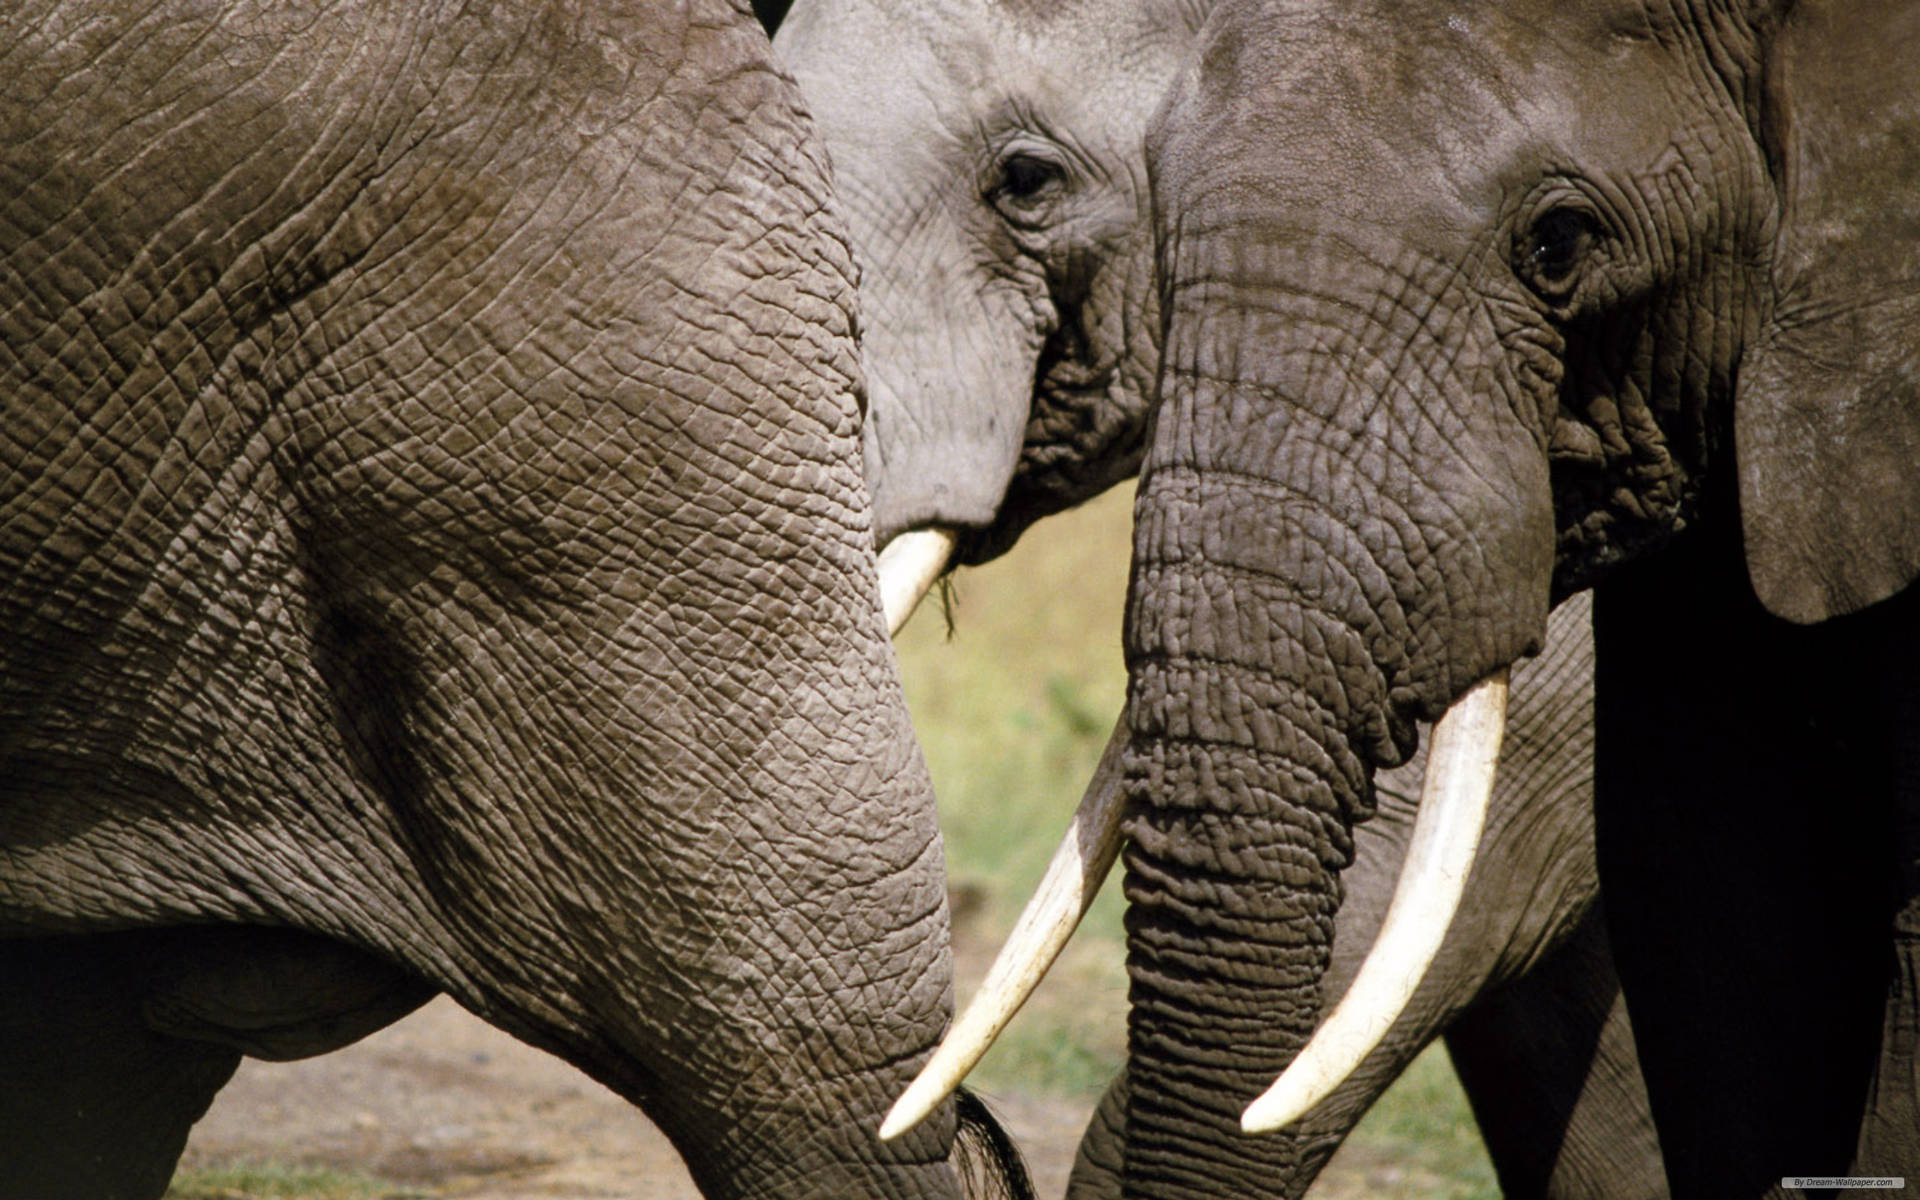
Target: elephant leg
[(1098, 1164), (94, 1105), (1548, 1064), (1742, 832), (1890, 1131)]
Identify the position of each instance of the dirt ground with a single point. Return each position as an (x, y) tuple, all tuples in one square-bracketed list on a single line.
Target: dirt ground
[(446, 1106), (451, 1107)]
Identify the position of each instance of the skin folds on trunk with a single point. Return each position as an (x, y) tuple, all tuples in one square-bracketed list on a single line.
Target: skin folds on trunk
[(1344, 522), (1237, 834), (1360, 387), (1461, 756), (1278, 650)]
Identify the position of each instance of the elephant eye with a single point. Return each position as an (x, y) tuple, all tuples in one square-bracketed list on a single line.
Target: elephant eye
[(1554, 249), (1024, 176), (1027, 186)]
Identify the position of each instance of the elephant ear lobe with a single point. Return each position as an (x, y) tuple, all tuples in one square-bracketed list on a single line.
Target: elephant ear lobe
[(1827, 415)]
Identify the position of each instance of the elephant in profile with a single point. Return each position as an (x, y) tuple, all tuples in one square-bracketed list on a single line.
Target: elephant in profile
[(1466, 308), (434, 557), (991, 164)]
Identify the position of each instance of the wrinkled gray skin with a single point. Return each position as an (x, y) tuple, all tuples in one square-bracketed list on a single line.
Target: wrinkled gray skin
[(434, 556), (1468, 306), (988, 312), (994, 184), (1523, 989)]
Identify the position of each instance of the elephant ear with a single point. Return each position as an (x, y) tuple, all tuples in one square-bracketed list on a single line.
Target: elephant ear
[(1827, 416)]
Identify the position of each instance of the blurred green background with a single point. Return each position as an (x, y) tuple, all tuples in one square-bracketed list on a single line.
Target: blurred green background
[(1013, 706)]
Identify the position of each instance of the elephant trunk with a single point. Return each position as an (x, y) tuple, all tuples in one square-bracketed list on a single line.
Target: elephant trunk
[(1242, 785), (1446, 836), (1333, 540)]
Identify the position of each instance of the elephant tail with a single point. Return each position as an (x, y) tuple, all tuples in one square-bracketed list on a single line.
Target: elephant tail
[(989, 1163)]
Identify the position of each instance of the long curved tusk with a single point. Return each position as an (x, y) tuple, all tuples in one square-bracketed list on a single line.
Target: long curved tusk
[(908, 566), (1072, 880), (1464, 750)]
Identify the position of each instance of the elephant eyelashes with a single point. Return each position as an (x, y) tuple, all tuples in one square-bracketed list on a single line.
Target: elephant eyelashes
[(1554, 249), (1027, 188)]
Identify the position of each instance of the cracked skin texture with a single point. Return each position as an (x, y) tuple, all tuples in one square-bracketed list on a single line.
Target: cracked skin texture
[(431, 529)]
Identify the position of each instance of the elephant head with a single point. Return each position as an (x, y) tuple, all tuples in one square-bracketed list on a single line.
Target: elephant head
[(434, 530), (1463, 309), (918, 136), (1464, 306), (995, 188)]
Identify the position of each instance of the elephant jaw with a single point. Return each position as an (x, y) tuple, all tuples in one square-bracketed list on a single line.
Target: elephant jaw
[(1462, 757), (908, 566)]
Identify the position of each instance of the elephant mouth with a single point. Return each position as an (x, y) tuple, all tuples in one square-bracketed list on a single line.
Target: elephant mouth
[(1462, 757), (909, 564)]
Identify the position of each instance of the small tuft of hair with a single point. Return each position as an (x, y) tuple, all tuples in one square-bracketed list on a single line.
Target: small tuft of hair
[(949, 600), (989, 1163)]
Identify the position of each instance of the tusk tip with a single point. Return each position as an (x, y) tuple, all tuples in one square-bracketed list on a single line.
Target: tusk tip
[(1462, 754), (908, 567), (1267, 1114), (907, 1112), (1071, 882)]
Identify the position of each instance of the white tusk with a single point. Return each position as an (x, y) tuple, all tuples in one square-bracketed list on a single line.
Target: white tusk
[(1464, 749), (908, 566), (1072, 880)]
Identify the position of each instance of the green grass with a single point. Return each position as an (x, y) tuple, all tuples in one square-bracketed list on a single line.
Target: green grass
[(1423, 1130), (1013, 710), (266, 1181)]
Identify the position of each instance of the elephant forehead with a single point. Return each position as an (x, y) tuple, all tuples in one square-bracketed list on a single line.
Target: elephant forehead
[(953, 64), (1462, 105), (946, 47)]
